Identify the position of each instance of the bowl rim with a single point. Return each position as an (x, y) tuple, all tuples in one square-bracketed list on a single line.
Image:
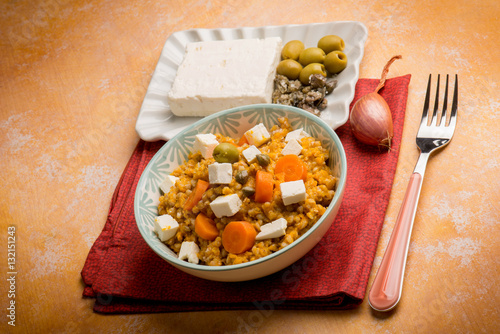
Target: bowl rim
[(260, 107)]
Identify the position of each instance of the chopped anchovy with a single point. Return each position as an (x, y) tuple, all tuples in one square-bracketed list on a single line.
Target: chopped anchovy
[(317, 81), (310, 98), (330, 85)]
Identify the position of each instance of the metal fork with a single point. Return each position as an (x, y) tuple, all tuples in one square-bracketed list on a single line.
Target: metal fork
[(388, 284)]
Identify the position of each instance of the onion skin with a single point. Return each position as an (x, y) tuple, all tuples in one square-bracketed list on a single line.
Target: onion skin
[(371, 118), (371, 121)]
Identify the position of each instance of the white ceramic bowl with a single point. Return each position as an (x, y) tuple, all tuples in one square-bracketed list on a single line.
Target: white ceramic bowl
[(234, 122)]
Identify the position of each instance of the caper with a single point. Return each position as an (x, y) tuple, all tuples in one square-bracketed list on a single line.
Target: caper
[(331, 43), (309, 70), (311, 55), (263, 159), (241, 176), (292, 50), (248, 191), (226, 152), (289, 68), (335, 62)]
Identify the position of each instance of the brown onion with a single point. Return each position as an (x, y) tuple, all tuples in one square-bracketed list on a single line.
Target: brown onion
[(371, 119)]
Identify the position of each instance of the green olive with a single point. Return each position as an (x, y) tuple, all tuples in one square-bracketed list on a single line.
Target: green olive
[(248, 191), (309, 70), (241, 176), (289, 68), (263, 159), (226, 152), (292, 50), (335, 62), (331, 43), (311, 55)]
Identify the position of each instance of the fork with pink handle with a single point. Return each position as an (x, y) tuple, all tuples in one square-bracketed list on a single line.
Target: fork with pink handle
[(388, 284)]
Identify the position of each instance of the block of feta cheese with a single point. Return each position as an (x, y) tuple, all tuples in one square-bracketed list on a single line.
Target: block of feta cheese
[(189, 251), (250, 154), (166, 227), (271, 230), (257, 135), (205, 143), (218, 75), (220, 173), (292, 147), (296, 134), (168, 183), (293, 192), (226, 206)]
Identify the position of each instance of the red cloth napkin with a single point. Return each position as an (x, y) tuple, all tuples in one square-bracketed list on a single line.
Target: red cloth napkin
[(125, 276)]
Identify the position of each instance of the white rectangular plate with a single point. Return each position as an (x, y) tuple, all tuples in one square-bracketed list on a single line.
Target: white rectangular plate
[(156, 121)]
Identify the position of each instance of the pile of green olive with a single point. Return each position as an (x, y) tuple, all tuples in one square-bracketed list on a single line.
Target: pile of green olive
[(300, 63)]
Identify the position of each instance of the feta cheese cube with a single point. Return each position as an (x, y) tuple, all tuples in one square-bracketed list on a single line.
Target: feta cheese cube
[(189, 251), (205, 143), (292, 147), (220, 173), (274, 229), (257, 135), (218, 75), (250, 154), (168, 183), (293, 192), (296, 134), (166, 227), (226, 206)]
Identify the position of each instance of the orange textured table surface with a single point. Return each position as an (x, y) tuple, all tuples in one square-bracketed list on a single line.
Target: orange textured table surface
[(73, 75)]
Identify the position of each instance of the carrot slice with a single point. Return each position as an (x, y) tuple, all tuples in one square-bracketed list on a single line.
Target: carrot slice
[(292, 167), (195, 196), (243, 141), (238, 237), (205, 227), (264, 185)]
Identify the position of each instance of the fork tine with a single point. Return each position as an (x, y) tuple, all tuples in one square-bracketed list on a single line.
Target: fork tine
[(436, 104), (442, 121), (453, 115), (426, 103)]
